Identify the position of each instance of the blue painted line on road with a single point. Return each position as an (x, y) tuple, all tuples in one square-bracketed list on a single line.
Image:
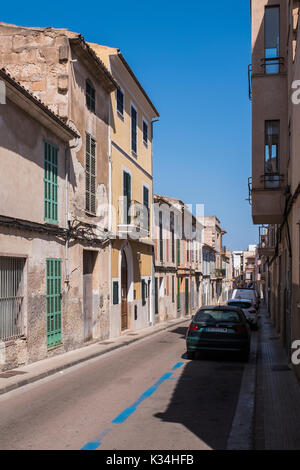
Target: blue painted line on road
[(93, 445), (131, 409), (122, 417), (179, 364)]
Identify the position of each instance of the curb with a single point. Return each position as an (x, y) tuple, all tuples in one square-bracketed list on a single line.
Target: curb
[(75, 362), (241, 434)]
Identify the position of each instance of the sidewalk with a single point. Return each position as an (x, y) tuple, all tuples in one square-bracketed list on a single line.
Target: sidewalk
[(16, 378), (277, 413)]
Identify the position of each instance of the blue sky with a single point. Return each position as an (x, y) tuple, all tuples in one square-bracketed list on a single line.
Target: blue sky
[(192, 59)]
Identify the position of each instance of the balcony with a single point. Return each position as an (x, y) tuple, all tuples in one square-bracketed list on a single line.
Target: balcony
[(266, 245), (267, 199), (136, 224)]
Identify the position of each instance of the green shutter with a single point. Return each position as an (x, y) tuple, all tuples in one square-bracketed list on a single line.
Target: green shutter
[(50, 183), (178, 250), (53, 301), (146, 205), (178, 294), (127, 194), (115, 293), (90, 174)]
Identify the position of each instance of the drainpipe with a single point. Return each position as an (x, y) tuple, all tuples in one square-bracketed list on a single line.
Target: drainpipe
[(109, 210), (67, 166), (152, 298)]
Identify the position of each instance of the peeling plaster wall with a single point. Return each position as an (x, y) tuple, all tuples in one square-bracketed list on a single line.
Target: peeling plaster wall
[(43, 60)]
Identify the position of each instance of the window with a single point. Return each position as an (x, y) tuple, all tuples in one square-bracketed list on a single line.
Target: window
[(11, 297), (133, 129), (272, 40), (53, 301), (120, 102), (145, 132), (90, 95), (115, 292), (161, 246), (272, 153), (178, 250), (50, 183), (127, 196), (146, 208), (90, 175), (172, 236)]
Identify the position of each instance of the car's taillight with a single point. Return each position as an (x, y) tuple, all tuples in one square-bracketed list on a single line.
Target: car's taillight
[(252, 311), (194, 327), (240, 329)]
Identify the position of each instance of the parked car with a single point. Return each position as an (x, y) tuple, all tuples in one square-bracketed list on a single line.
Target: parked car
[(219, 328), (245, 293), (248, 308)]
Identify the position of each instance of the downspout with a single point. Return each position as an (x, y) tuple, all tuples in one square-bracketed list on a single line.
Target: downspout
[(67, 223), (152, 296), (109, 210)]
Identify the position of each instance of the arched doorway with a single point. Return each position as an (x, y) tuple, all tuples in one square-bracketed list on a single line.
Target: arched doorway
[(124, 293)]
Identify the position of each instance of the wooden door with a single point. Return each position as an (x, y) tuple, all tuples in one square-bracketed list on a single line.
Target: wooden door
[(124, 293), (89, 258)]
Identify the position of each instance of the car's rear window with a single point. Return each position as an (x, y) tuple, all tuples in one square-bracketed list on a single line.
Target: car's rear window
[(217, 315), (240, 304)]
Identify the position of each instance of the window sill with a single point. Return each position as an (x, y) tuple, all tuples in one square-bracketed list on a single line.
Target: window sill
[(90, 214), (51, 223), (134, 154)]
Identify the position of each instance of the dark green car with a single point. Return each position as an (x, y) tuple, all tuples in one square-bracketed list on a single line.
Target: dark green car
[(219, 328)]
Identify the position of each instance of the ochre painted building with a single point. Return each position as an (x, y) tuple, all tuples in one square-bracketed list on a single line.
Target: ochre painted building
[(131, 196)]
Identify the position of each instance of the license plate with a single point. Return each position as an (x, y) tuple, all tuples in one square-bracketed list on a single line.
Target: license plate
[(216, 330)]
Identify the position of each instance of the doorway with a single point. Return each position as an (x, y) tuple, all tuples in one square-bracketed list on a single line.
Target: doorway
[(89, 262), (124, 293), (186, 296)]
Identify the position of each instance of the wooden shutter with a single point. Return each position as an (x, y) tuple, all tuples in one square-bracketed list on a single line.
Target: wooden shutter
[(115, 293), (50, 183), (127, 194), (146, 206), (133, 130), (90, 174), (53, 301)]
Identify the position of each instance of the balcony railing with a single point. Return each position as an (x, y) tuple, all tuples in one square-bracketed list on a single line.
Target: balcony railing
[(136, 223), (272, 65), (272, 180)]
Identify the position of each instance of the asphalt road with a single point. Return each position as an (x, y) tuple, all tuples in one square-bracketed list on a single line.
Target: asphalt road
[(143, 396)]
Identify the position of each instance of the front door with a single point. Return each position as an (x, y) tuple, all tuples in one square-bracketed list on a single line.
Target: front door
[(124, 294), (53, 273), (186, 296), (89, 258)]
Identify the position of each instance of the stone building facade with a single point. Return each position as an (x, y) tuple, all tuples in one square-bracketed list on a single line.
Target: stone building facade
[(62, 71)]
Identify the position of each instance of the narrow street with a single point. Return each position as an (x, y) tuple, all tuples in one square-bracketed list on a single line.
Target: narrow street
[(111, 401)]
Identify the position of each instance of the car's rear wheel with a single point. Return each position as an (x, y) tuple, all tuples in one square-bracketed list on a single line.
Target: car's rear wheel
[(190, 354)]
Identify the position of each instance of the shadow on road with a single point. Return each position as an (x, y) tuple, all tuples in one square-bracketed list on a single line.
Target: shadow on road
[(205, 398), (181, 330)]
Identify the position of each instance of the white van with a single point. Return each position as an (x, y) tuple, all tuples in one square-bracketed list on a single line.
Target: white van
[(246, 294)]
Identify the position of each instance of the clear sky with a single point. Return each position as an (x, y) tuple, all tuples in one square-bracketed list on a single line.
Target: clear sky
[(192, 59)]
